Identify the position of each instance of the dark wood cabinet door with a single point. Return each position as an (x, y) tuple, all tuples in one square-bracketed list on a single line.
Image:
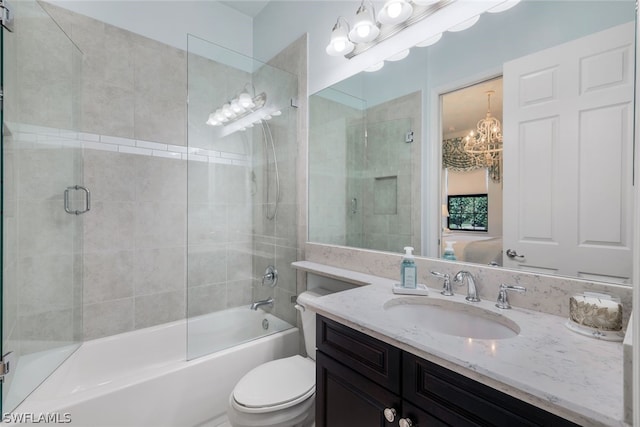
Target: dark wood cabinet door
[(461, 401), (370, 357), (345, 398)]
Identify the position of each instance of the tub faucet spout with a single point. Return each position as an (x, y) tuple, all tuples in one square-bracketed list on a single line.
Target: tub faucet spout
[(255, 305)]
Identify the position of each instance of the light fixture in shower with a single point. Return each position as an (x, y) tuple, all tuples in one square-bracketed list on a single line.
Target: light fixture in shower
[(237, 108)]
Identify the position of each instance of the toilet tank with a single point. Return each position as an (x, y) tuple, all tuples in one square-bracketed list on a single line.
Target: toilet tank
[(309, 318)]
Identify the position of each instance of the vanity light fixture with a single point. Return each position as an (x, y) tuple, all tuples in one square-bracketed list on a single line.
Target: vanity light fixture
[(369, 28), (486, 142), (395, 16)]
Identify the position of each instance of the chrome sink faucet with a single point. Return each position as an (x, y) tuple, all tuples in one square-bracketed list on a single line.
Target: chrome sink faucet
[(255, 305), (472, 292), (446, 287), (503, 299)]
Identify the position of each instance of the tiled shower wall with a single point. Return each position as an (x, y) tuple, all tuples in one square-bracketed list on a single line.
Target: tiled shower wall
[(375, 197), (392, 172), (132, 97), (134, 237)]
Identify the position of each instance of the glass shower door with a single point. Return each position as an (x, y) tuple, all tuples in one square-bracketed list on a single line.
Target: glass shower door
[(241, 174), (43, 200)]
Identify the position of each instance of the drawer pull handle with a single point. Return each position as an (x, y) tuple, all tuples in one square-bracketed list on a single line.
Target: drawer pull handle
[(390, 414), (405, 422)]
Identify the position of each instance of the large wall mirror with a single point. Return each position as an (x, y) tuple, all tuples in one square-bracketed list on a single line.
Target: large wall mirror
[(392, 162)]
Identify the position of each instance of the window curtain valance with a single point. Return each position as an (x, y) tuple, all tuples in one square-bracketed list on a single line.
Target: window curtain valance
[(455, 158)]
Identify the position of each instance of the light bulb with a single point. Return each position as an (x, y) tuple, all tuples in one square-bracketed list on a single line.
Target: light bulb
[(226, 110), (212, 120), (339, 45), (218, 116), (245, 100), (236, 107), (394, 9), (276, 113), (395, 12), (363, 30)]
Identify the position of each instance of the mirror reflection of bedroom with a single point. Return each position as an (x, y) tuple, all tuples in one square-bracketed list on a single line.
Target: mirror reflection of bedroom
[(472, 173)]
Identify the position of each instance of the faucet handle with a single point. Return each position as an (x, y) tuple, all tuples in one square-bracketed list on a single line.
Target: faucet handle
[(503, 299), (446, 287)]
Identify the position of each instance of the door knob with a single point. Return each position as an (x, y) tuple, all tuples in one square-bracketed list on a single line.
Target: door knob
[(513, 254), (405, 422), (390, 414)]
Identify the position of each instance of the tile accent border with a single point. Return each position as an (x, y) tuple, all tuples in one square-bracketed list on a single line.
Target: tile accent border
[(26, 133)]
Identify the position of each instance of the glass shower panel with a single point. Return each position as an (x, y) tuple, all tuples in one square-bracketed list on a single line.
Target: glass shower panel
[(387, 186), (337, 148), (242, 155), (42, 246)]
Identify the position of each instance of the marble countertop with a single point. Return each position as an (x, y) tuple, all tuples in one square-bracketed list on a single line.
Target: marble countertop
[(546, 364)]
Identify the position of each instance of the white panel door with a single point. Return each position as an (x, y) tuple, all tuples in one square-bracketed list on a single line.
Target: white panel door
[(568, 146)]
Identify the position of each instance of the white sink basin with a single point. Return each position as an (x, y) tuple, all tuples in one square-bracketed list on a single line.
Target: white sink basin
[(452, 318)]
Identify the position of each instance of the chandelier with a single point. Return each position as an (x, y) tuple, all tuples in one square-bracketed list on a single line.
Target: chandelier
[(485, 143)]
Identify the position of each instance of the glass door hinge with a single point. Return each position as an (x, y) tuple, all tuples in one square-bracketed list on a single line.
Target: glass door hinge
[(6, 15), (6, 366)]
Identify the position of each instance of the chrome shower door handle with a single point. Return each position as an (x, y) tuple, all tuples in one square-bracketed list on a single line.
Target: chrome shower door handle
[(87, 200)]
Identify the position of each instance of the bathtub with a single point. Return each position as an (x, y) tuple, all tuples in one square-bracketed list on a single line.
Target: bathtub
[(143, 378)]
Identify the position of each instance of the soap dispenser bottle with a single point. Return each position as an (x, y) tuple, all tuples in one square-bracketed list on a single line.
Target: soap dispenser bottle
[(408, 269), (449, 253)]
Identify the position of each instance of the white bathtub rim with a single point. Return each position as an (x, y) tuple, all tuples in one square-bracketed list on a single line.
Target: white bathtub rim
[(48, 397), (38, 402)]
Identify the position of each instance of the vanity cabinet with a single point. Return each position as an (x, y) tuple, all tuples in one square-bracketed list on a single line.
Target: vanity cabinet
[(364, 382)]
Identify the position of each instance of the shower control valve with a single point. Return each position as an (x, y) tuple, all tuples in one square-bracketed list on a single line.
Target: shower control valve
[(270, 276)]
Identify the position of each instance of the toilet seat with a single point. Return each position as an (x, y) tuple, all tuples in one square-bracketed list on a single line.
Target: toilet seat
[(275, 385)]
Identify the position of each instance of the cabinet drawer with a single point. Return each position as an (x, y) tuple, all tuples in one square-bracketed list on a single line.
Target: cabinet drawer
[(441, 391), (376, 360)]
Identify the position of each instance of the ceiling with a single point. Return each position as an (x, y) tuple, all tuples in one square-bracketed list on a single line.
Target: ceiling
[(248, 7), (462, 109)]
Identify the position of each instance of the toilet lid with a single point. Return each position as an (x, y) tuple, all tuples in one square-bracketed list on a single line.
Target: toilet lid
[(282, 383)]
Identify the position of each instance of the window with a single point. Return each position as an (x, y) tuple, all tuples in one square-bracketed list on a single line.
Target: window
[(468, 212)]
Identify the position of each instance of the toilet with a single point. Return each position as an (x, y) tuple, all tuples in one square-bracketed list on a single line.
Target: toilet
[(280, 393)]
